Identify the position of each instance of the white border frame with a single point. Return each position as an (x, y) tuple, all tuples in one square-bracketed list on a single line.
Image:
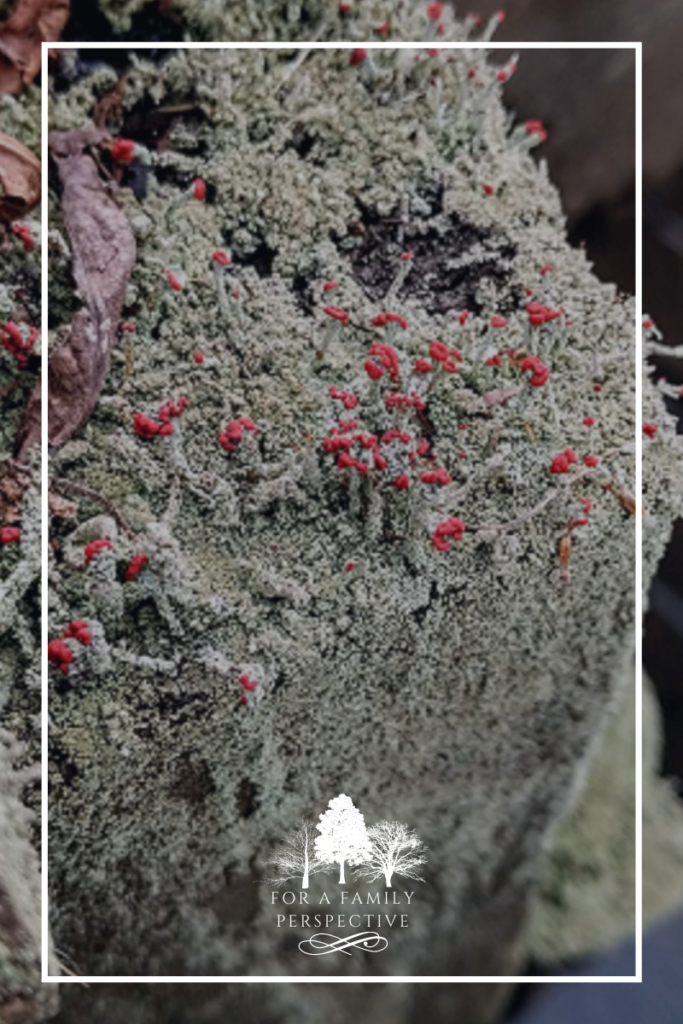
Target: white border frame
[(637, 47)]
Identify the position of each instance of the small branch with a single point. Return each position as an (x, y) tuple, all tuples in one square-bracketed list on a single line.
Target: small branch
[(73, 489)]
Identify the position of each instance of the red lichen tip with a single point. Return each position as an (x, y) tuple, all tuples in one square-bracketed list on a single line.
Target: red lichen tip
[(173, 281), (488, 189), (78, 630), (358, 55), (402, 482), (498, 321), (220, 257), (434, 11), (591, 461), (337, 314), (199, 189), (198, 357), (95, 546), (329, 286), (60, 655), (123, 151), (24, 235), (650, 430), (559, 465), (588, 421), (10, 534), (135, 566)]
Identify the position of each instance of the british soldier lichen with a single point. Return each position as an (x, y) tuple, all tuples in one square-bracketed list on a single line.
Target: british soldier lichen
[(353, 524)]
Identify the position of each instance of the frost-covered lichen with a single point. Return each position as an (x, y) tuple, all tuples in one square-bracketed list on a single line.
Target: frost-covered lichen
[(458, 689)]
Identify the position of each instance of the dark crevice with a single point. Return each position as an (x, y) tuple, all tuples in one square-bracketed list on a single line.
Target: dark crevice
[(436, 285)]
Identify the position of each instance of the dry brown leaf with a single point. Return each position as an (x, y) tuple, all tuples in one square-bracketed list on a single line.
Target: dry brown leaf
[(31, 23), (103, 256), (19, 179)]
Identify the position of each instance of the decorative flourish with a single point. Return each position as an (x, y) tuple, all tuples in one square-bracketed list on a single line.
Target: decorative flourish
[(371, 942)]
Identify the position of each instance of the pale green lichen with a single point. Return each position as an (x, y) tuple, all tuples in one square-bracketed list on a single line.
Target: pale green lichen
[(459, 690)]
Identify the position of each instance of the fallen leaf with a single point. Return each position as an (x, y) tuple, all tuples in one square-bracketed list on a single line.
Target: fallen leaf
[(103, 256), (31, 23), (19, 179), (499, 396)]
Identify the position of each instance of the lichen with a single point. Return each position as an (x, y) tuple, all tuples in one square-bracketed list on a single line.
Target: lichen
[(458, 689)]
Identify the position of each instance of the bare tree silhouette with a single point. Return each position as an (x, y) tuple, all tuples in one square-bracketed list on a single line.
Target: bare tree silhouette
[(296, 856), (343, 835), (395, 849)]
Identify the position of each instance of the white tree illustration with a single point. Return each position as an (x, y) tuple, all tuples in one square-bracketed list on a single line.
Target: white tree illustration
[(394, 849), (296, 855), (343, 835)]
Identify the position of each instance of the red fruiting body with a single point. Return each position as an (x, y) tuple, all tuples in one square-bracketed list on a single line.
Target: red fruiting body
[(423, 366), (547, 268), (650, 429), (423, 447), (171, 408), (571, 455), (14, 342), (434, 11), (349, 567), (230, 438), (560, 464), (60, 655), (647, 324), (373, 371), (436, 476), (588, 421), (453, 528), (535, 127), (405, 256), (329, 286), (591, 461), (358, 56), (199, 189), (579, 522), (123, 151), (246, 682), (221, 257), (540, 373), (127, 328), (345, 8), (388, 358), (462, 317), (494, 360), (173, 281), (450, 366), (198, 358), (597, 388), (135, 566), (402, 482), (24, 235), (91, 549), (78, 630), (488, 189), (586, 504), (396, 318), (502, 75), (380, 461), (337, 314), (498, 321), (438, 351), (10, 534)]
